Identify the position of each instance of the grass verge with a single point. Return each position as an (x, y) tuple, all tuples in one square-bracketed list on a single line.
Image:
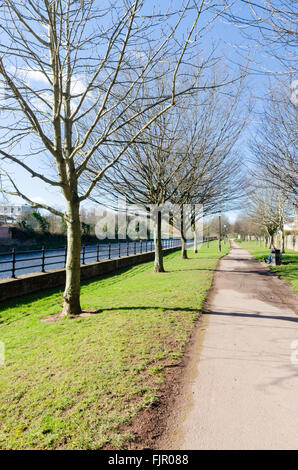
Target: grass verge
[(72, 384), (288, 270)]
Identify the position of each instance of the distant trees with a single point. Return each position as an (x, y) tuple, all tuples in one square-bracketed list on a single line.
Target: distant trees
[(268, 209), (211, 226), (42, 222), (32, 221), (212, 175)]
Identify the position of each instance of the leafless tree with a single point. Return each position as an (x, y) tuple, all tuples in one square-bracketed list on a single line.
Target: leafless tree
[(147, 169), (268, 209), (271, 24), (275, 147), (276, 19), (247, 226), (184, 158), (72, 72), (211, 175)]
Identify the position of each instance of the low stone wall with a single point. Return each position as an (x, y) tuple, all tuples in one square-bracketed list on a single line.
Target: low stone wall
[(37, 282), (291, 241)]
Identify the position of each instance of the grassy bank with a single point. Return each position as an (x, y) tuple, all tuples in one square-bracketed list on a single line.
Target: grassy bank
[(73, 383), (288, 270)]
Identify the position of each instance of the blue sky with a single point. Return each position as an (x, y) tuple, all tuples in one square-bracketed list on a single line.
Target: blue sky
[(231, 44)]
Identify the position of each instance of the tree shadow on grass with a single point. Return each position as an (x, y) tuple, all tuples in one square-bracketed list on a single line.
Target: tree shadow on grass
[(30, 298), (204, 312)]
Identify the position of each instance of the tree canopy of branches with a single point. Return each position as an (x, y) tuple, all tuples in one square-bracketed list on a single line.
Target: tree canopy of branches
[(184, 158), (275, 147), (268, 209), (147, 169), (211, 175), (271, 23), (72, 73)]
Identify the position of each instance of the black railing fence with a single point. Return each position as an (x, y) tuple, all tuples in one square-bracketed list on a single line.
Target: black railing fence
[(19, 262)]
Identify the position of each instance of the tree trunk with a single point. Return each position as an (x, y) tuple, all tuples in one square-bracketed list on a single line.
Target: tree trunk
[(195, 241), (158, 259), (71, 304), (183, 248), (283, 241), (183, 239)]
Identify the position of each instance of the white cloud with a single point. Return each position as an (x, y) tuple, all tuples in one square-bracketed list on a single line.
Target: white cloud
[(39, 200)]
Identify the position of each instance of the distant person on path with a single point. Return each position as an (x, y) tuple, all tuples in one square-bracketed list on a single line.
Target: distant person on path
[(272, 250)]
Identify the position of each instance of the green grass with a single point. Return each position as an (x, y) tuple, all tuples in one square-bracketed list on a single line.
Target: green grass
[(74, 383), (288, 270)]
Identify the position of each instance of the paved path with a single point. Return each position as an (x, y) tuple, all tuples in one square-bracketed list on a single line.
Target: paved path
[(242, 387)]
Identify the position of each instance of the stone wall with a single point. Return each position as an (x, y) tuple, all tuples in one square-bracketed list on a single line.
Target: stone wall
[(291, 241), (37, 282)]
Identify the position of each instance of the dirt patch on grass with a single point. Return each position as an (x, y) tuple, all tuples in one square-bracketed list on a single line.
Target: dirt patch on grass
[(60, 316)]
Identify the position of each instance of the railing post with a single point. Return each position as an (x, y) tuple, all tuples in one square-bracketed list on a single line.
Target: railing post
[(119, 250), (13, 270), (97, 252), (127, 247), (43, 260), (83, 254), (109, 250)]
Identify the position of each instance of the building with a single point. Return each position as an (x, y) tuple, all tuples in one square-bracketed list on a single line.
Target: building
[(11, 212), (292, 224)]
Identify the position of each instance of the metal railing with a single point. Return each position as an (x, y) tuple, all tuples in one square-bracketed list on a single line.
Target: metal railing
[(18, 262)]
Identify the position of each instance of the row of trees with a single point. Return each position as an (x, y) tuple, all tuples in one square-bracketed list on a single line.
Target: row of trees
[(267, 213), (273, 195), (86, 84), (119, 99), (186, 157)]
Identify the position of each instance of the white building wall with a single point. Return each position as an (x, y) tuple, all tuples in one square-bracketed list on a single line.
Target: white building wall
[(14, 210)]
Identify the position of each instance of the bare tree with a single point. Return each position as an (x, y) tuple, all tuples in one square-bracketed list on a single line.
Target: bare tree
[(276, 20), (271, 24), (268, 209), (72, 72), (182, 158), (147, 170), (275, 146), (211, 175)]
